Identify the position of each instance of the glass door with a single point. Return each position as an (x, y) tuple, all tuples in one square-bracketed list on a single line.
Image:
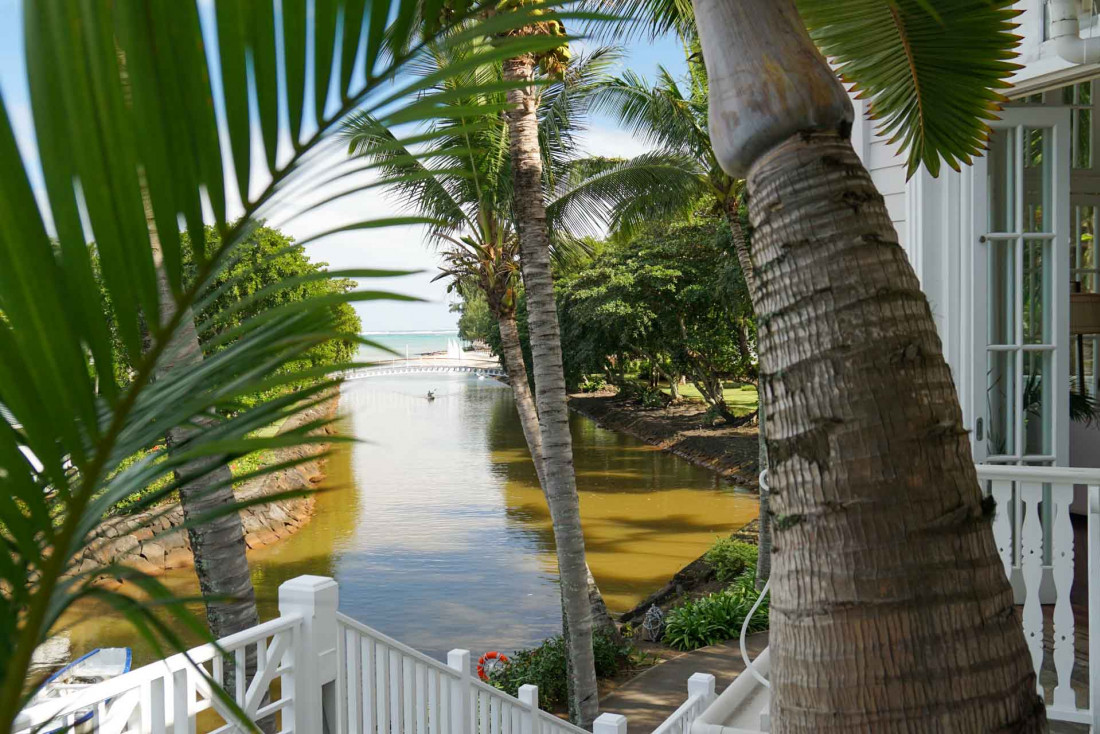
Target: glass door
[(1020, 290)]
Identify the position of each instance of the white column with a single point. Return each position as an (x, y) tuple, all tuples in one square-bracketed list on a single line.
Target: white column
[(609, 724), (314, 599), (529, 697), (462, 712)]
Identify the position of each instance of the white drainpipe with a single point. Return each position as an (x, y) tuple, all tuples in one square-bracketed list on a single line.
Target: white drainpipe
[(1066, 34)]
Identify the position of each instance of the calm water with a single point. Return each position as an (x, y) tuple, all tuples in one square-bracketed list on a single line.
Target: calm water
[(438, 532)]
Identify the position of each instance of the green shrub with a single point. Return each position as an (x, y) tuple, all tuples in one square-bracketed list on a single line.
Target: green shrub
[(731, 558), (748, 387), (544, 666), (715, 618), (593, 383)]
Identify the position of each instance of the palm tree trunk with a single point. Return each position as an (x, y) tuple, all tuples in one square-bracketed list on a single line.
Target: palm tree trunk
[(550, 394), (218, 544), (512, 354), (514, 364), (890, 608), (764, 525)]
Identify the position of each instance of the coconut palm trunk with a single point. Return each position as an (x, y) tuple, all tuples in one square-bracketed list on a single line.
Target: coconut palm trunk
[(550, 394), (529, 420), (217, 544), (764, 525), (890, 608), (514, 364)]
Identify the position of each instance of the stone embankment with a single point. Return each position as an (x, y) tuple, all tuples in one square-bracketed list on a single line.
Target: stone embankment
[(154, 542)]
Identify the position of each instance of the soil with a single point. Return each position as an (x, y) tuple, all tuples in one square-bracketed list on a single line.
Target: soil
[(731, 452)]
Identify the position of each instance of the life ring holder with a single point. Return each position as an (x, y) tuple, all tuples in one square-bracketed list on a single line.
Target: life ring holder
[(489, 658)]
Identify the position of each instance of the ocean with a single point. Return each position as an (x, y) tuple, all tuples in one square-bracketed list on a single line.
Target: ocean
[(412, 342)]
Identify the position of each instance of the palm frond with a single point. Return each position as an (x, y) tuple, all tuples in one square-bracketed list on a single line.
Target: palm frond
[(98, 71), (623, 195), (661, 114), (932, 69)]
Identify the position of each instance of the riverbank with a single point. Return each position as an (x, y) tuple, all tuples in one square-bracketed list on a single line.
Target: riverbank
[(154, 541), (731, 453)]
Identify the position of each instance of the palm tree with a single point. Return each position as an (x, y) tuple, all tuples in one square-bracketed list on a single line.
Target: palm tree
[(550, 393), (889, 611), (675, 121), (462, 182), (97, 72)]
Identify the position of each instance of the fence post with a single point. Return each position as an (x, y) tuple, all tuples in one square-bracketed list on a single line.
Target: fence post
[(462, 713), (529, 697), (315, 599), (701, 684), (609, 724)]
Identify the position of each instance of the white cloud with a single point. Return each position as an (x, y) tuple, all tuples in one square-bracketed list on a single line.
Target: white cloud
[(613, 142)]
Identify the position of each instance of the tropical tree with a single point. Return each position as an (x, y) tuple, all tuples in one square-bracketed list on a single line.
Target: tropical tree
[(98, 71), (463, 184), (889, 610), (546, 356), (664, 296)]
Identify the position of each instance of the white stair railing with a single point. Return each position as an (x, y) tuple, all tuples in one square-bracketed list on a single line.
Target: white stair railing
[(168, 695), (700, 695), (386, 687), (312, 670)]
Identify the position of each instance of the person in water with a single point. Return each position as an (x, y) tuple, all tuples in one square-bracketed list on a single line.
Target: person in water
[(431, 395)]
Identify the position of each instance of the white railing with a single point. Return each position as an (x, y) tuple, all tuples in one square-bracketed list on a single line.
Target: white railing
[(168, 695), (1033, 529), (700, 696), (386, 687), (406, 369), (312, 670), (1035, 538)]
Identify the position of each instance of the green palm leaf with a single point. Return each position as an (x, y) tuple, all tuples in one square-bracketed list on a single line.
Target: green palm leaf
[(932, 69), (99, 71)]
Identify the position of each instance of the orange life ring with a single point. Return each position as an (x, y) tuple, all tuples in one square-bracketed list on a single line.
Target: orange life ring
[(488, 657)]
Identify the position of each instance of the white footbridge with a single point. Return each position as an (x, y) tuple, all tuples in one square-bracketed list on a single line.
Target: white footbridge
[(482, 367)]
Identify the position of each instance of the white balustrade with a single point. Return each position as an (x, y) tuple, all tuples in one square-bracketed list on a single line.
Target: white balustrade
[(390, 688), (168, 695), (311, 671)]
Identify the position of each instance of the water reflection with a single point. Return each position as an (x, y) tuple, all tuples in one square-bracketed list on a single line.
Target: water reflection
[(438, 533)]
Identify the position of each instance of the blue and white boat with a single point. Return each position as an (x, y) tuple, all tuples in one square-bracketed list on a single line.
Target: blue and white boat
[(102, 663)]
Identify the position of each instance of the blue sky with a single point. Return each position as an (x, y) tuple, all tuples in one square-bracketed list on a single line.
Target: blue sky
[(397, 248)]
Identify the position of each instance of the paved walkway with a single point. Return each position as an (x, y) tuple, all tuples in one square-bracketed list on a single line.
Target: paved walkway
[(654, 694)]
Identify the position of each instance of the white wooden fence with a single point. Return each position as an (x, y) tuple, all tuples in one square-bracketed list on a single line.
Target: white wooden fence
[(312, 671)]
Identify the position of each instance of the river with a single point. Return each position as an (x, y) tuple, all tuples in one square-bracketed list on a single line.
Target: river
[(436, 529)]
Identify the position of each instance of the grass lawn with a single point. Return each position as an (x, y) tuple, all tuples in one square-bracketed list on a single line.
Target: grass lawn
[(742, 399)]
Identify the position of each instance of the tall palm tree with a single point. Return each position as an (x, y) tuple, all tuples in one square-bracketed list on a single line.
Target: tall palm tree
[(61, 402), (675, 121), (889, 609), (462, 182), (550, 393)]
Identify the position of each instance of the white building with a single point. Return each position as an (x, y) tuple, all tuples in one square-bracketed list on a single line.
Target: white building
[(1001, 245)]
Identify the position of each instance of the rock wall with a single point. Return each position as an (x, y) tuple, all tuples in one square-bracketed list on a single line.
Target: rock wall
[(153, 541)]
